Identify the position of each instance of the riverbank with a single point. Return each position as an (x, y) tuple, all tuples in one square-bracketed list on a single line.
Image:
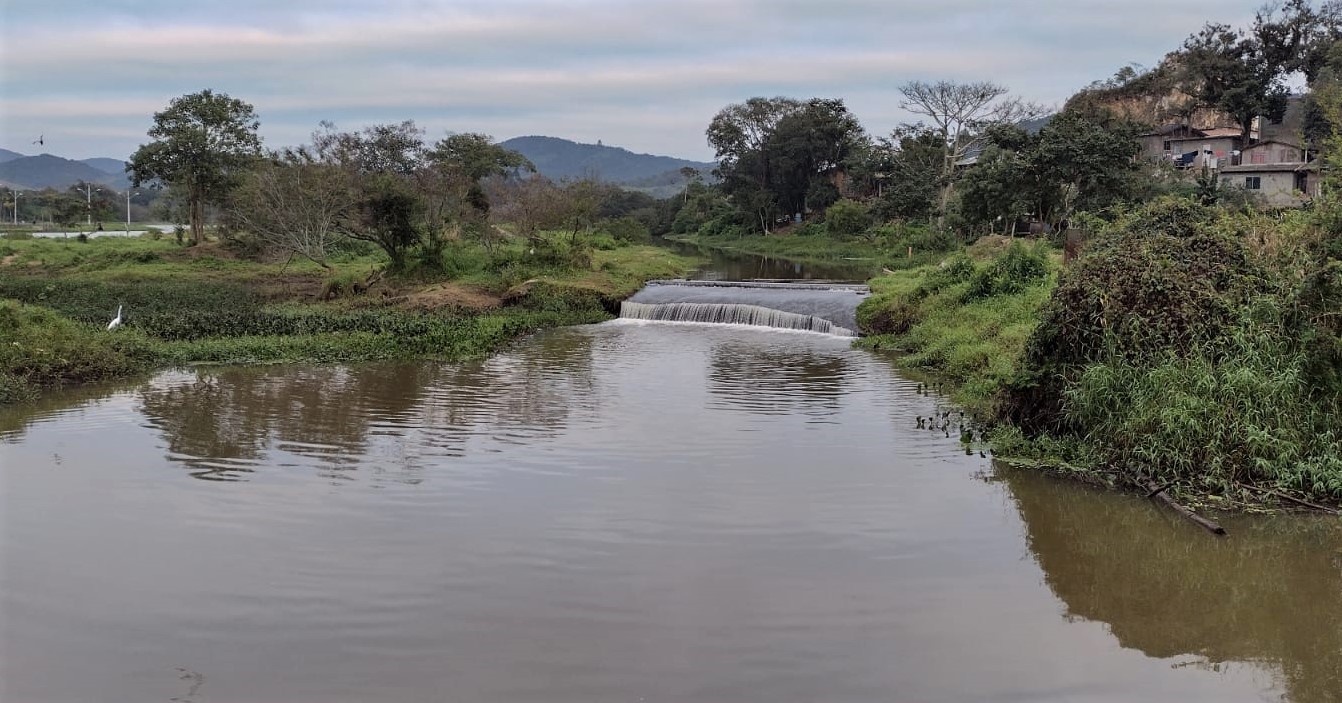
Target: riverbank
[(204, 304), (1188, 349), (887, 247)]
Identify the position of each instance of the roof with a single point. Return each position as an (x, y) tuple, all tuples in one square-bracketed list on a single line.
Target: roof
[(1265, 142), (1270, 168), (1168, 129), (1204, 137), (1223, 132)]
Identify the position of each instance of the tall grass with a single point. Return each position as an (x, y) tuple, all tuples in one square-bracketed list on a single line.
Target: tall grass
[(1214, 421), (963, 320)]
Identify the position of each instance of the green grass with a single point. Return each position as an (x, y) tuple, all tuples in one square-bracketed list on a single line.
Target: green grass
[(965, 321), (189, 305)]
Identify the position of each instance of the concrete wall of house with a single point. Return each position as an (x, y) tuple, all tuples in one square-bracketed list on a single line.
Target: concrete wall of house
[(1153, 147), (1221, 148), (1275, 188), (1272, 153)]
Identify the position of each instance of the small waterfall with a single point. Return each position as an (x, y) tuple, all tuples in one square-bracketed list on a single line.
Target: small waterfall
[(826, 308), (731, 314)]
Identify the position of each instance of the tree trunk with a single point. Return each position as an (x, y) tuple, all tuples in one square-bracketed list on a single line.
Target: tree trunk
[(197, 216)]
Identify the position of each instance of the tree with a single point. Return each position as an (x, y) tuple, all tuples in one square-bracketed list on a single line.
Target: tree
[(691, 175), (1227, 70), (531, 205), (996, 190), (1076, 163), (461, 163), (296, 204), (387, 214), (738, 133), (203, 142), (384, 165), (961, 114), (1073, 163), (778, 155), (907, 169)]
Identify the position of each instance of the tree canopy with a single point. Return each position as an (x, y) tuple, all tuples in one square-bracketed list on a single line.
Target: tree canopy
[(203, 143)]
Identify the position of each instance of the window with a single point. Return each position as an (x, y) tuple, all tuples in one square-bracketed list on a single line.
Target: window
[(1167, 145), (1253, 182)]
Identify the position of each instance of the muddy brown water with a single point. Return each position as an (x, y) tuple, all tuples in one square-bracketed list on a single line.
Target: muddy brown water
[(622, 512)]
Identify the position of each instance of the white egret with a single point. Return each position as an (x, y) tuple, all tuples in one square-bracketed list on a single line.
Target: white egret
[(116, 321)]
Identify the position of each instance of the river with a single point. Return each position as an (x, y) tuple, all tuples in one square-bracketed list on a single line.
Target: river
[(627, 512)]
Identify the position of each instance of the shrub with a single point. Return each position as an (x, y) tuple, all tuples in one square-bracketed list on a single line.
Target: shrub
[(1013, 272), (847, 218), (628, 230)]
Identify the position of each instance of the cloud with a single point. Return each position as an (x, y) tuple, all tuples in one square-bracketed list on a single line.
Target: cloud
[(646, 75)]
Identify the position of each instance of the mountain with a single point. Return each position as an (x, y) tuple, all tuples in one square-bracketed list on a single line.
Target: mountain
[(47, 171), (7, 155), (116, 167), (560, 158)]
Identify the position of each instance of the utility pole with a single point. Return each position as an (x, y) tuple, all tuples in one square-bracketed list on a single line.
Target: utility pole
[(89, 190), (128, 194)]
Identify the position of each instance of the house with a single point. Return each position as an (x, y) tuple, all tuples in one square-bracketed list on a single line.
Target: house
[(1281, 173), (1188, 147), (1156, 145)]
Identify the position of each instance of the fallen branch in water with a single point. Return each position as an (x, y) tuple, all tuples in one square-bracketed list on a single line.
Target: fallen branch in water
[(1159, 493), (1293, 499)]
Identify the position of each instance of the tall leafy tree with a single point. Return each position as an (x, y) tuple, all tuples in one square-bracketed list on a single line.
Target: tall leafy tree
[(907, 169), (383, 164), (1227, 69), (739, 134), (777, 155), (203, 143)]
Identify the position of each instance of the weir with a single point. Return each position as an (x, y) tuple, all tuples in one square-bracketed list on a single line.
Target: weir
[(827, 308)]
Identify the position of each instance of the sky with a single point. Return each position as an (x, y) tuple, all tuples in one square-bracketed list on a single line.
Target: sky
[(647, 75)]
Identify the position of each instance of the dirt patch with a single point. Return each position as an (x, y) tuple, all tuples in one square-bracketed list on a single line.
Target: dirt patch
[(451, 295), (200, 251), (991, 245), (9, 260)]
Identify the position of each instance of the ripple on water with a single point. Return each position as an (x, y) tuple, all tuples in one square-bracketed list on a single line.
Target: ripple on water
[(602, 514)]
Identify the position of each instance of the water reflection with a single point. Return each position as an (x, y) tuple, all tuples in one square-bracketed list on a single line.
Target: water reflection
[(735, 266), (1271, 593), (779, 380), (607, 513), (224, 424)]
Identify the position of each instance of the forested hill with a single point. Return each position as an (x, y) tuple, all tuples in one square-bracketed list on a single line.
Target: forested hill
[(49, 171), (560, 158)]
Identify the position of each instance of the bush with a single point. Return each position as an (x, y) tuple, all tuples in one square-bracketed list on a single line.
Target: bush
[(40, 348), (1018, 269), (628, 230), (1151, 286), (847, 218)]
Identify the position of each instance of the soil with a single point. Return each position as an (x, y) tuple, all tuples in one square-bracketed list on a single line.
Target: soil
[(451, 295)]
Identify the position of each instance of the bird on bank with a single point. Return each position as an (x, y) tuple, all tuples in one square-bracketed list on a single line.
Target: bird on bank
[(116, 321)]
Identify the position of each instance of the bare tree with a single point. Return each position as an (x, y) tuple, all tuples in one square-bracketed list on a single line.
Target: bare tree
[(962, 113), (296, 205), (531, 205)]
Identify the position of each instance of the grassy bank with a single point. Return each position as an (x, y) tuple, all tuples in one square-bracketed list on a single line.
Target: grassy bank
[(966, 318), (206, 305), (1187, 348), (889, 247)]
